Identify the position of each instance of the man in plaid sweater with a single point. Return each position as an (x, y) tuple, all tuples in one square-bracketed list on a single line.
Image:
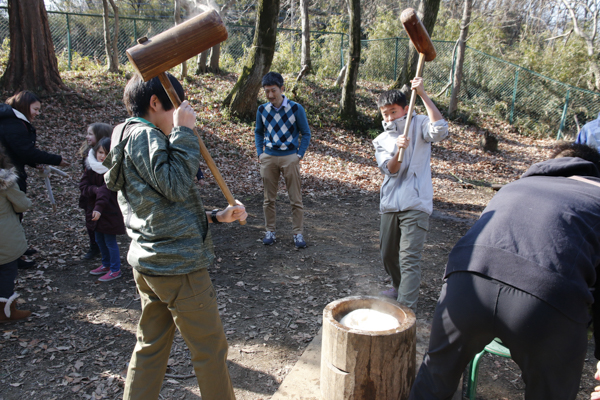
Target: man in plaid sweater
[(282, 136)]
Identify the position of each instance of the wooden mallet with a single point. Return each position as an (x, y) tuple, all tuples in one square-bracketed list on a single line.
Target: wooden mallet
[(420, 39), (153, 57)]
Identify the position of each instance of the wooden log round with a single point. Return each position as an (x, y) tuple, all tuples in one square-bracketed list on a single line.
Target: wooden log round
[(367, 365), (178, 44)]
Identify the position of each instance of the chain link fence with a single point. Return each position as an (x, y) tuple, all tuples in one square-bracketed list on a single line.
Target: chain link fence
[(533, 102)]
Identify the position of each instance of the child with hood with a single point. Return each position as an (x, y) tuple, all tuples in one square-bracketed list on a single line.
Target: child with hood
[(106, 218), (12, 238)]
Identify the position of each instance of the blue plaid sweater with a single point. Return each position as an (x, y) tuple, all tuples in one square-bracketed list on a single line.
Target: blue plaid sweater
[(277, 132)]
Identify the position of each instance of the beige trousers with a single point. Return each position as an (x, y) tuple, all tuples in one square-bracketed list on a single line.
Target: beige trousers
[(270, 169), (189, 303)]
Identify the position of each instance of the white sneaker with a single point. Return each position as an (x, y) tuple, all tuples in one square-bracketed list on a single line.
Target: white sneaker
[(299, 241), (269, 238)]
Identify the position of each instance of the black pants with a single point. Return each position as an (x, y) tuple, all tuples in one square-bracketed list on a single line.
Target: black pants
[(549, 348), (92, 236), (8, 274)]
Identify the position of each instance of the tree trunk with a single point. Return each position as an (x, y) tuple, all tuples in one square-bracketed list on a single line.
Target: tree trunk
[(202, 57), (215, 55), (242, 98), (348, 101), (428, 11), (589, 36), (460, 57), (177, 18), (358, 364), (305, 62), (341, 77), (595, 71), (32, 63), (110, 46)]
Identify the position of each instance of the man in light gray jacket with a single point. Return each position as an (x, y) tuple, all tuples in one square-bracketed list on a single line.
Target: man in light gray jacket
[(406, 195)]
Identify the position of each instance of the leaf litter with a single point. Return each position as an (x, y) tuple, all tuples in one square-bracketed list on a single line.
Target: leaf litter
[(79, 340)]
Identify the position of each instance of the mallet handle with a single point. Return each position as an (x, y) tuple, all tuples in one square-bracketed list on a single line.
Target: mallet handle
[(411, 106), (164, 79)]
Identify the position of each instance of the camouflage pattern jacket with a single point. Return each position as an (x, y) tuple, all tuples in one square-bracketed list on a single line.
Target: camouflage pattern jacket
[(163, 212)]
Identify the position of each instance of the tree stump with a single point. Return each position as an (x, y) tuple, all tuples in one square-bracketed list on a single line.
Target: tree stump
[(367, 365), (488, 142)]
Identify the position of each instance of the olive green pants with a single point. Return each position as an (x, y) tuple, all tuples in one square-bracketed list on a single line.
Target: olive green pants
[(401, 239), (189, 303)]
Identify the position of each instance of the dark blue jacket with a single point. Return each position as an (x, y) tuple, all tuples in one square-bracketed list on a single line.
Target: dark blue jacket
[(540, 234)]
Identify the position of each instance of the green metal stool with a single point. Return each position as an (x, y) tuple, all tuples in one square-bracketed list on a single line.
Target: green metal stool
[(495, 347)]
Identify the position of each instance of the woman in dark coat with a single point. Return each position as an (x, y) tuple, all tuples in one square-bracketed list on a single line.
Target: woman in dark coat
[(18, 136)]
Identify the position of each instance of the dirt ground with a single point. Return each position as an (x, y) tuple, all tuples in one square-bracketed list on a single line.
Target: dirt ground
[(79, 340)]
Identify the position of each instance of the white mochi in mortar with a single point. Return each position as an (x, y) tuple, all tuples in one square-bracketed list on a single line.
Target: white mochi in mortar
[(369, 320)]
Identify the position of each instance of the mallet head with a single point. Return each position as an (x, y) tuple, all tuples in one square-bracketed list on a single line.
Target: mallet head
[(178, 44), (417, 33)]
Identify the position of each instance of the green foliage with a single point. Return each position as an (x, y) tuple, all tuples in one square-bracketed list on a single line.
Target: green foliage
[(328, 50), (327, 53), (4, 52), (386, 26), (287, 55), (78, 62), (382, 59), (564, 61)]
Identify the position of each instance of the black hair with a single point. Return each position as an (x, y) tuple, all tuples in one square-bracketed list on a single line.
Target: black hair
[(566, 149), (272, 78), (22, 102), (104, 143), (138, 93), (390, 97)]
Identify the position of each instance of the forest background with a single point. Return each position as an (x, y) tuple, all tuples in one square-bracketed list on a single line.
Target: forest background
[(535, 34), (513, 47)]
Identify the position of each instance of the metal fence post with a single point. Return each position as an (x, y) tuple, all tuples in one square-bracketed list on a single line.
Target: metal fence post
[(514, 97), (135, 35), (396, 62), (68, 42), (564, 116)]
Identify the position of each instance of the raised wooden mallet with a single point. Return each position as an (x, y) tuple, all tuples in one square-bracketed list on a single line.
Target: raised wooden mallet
[(153, 57), (420, 39)]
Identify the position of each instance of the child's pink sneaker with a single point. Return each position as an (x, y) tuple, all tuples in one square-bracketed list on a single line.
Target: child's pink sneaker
[(110, 276), (101, 270)]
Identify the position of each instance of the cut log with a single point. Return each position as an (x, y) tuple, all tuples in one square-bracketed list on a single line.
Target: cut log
[(488, 142), (367, 365)]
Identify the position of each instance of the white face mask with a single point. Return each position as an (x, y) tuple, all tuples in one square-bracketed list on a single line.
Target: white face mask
[(390, 126)]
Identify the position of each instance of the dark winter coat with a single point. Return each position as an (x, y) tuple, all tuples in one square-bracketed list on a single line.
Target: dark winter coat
[(18, 137), (95, 196), (540, 234)]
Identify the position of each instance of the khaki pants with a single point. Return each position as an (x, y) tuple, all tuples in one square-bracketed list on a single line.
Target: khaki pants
[(270, 169), (189, 303), (401, 239)]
